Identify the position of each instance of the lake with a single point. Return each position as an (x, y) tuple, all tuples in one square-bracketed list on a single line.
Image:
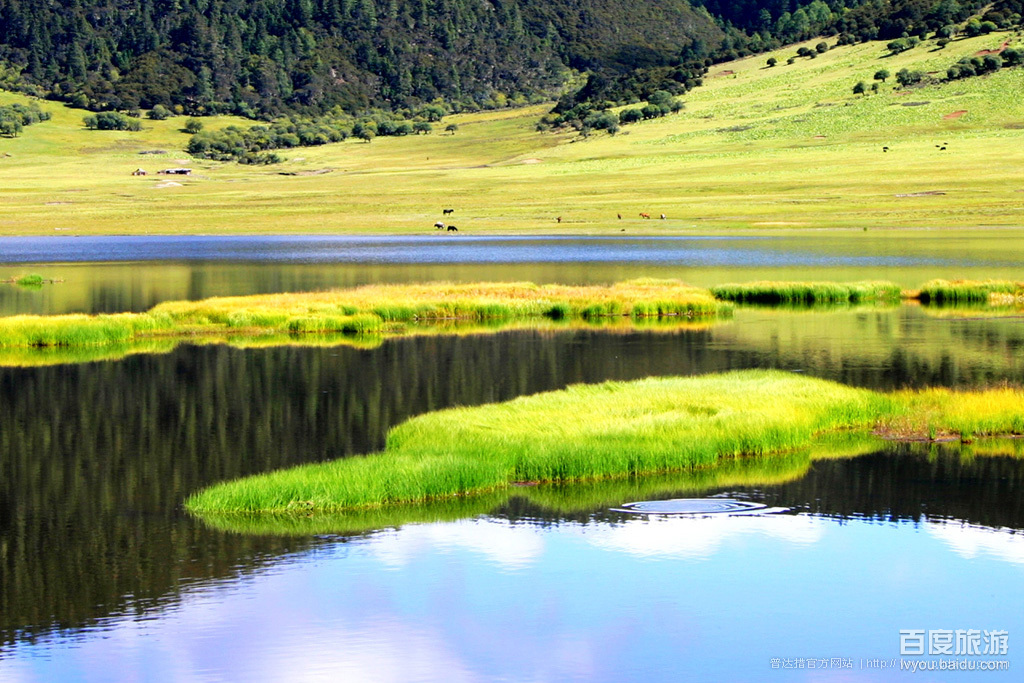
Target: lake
[(104, 577), (116, 274)]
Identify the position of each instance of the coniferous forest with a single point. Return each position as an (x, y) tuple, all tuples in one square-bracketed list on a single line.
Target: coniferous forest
[(263, 58)]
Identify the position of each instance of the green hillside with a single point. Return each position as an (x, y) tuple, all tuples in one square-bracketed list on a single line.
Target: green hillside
[(755, 147)]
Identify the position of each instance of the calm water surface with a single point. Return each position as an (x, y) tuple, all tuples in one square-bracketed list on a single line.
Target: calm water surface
[(103, 577), (114, 274)]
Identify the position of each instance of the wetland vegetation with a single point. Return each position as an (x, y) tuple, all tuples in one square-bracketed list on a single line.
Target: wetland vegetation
[(589, 432), (368, 310)]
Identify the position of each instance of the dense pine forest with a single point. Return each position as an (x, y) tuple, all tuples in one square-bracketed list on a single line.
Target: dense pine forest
[(263, 58)]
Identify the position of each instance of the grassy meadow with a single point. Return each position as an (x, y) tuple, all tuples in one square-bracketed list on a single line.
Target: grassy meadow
[(755, 147), (613, 430)]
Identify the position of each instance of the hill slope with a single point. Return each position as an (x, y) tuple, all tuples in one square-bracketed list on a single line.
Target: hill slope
[(755, 147), (259, 56)]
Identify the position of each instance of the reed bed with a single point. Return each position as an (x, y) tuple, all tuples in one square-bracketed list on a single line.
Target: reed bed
[(614, 430), (370, 310), (940, 413), (579, 498), (566, 499), (586, 432), (808, 293), (998, 292)]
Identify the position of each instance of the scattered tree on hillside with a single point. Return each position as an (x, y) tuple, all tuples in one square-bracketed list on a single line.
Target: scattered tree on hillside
[(111, 120), (882, 74), (859, 88), (907, 77)]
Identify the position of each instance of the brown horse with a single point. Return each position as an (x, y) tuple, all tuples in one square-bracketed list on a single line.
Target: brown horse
[(645, 215)]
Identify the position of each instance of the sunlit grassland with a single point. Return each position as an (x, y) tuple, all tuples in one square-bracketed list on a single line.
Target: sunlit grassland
[(567, 499), (808, 292), (788, 146), (372, 311), (583, 433), (995, 292), (943, 413), (612, 430)]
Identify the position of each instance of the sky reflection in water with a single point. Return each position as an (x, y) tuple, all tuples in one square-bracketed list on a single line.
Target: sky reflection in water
[(488, 599)]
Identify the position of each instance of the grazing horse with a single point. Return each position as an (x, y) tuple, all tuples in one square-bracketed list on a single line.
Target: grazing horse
[(439, 225), (619, 215), (662, 216), (645, 215), (448, 212), (452, 228), (558, 220)]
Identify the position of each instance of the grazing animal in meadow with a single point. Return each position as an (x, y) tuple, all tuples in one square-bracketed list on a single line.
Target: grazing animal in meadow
[(942, 149), (645, 215), (558, 220), (885, 149), (662, 216), (448, 212), (619, 215), (452, 228), (439, 225)]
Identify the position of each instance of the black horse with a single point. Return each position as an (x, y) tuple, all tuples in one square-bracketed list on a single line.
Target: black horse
[(452, 228), (448, 212)]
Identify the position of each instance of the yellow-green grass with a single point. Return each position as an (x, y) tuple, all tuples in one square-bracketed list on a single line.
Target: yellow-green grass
[(586, 432), (567, 499), (965, 415), (372, 309), (37, 356), (994, 292), (789, 146), (612, 430), (580, 497), (808, 292)]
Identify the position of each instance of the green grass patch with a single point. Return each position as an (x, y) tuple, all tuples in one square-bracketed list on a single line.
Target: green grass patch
[(365, 310), (953, 292), (808, 293), (583, 433), (29, 281), (612, 430)]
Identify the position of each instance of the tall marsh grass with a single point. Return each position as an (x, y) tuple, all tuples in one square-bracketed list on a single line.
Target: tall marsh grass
[(585, 432), (806, 293), (615, 430), (938, 413), (941, 292), (369, 310)]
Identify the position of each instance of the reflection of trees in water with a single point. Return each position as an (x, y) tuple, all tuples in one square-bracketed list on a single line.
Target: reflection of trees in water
[(911, 481), (96, 459)]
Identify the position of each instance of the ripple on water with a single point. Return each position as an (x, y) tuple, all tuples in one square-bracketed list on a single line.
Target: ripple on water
[(697, 507)]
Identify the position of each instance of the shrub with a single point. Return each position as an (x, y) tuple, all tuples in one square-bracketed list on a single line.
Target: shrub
[(193, 125), (159, 113), (111, 120)]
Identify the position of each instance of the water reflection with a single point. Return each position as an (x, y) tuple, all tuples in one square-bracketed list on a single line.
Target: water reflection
[(96, 459), (115, 274), (493, 598)]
